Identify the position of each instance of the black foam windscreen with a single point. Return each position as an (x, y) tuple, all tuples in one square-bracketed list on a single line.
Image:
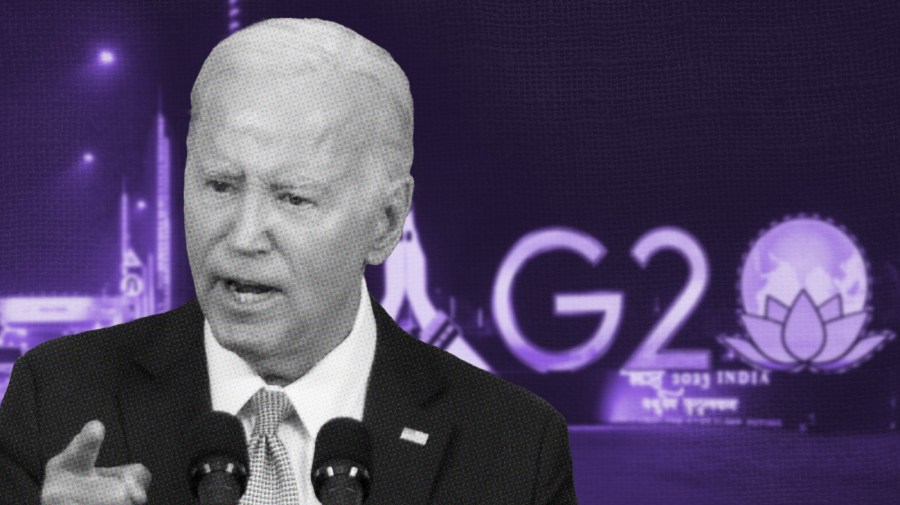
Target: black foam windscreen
[(343, 438), (215, 434)]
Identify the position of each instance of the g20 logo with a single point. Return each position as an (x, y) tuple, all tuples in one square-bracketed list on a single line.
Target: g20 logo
[(804, 293)]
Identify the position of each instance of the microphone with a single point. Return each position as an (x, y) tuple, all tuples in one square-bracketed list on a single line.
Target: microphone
[(343, 456), (216, 448)]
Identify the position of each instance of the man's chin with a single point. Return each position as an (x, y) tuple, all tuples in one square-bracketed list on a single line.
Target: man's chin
[(244, 340), (254, 335)]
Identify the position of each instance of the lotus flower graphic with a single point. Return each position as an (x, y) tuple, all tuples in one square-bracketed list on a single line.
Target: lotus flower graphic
[(804, 291)]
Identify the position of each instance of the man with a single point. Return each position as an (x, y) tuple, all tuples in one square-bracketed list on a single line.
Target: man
[(297, 177)]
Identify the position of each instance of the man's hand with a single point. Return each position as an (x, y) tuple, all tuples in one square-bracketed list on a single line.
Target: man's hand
[(71, 478)]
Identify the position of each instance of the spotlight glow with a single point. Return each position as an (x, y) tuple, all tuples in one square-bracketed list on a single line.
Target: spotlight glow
[(87, 157), (107, 57), (141, 204)]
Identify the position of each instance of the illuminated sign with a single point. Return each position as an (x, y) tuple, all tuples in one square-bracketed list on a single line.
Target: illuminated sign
[(50, 309), (804, 290), (683, 396), (653, 353)]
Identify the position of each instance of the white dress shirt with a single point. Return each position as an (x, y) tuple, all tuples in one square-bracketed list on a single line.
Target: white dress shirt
[(334, 387)]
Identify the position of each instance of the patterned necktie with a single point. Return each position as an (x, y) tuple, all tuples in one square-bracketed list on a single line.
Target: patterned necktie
[(272, 482)]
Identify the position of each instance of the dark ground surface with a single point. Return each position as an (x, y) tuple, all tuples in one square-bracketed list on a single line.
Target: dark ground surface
[(701, 465)]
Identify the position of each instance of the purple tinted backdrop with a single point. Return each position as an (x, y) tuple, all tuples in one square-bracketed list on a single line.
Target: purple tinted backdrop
[(612, 119)]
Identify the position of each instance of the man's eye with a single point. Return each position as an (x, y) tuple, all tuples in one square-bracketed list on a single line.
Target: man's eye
[(293, 199), (219, 186)]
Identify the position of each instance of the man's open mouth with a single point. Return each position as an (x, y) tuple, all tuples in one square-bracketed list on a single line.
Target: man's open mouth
[(249, 292), (244, 287)]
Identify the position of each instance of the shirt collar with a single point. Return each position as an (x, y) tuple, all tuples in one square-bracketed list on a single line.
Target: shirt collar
[(334, 387)]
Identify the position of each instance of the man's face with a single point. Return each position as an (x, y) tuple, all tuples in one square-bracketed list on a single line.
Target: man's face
[(279, 214)]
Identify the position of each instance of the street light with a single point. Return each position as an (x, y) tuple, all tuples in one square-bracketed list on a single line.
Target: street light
[(106, 57)]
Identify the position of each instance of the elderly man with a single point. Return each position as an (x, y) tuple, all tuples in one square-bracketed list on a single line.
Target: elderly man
[(297, 177)]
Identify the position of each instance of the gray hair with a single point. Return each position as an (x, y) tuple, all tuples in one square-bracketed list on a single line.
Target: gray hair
[(288, 46)]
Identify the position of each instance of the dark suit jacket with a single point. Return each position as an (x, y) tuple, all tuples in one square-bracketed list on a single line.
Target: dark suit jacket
[(490, 442)]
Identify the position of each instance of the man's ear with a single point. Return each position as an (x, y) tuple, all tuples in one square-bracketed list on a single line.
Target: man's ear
[(393, 208)]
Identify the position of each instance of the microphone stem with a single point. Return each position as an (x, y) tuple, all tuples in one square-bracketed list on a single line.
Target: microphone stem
[(218, 488)]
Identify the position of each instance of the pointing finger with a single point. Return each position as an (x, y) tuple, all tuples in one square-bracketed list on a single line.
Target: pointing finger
[(81, 453)]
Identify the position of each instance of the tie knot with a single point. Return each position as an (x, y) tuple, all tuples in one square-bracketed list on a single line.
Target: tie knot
[(271, 408)]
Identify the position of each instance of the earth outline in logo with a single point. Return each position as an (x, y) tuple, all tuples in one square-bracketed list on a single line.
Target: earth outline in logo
[(799, 334)]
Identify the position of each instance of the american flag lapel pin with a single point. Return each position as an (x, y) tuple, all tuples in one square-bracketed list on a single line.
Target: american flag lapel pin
[(414, 436)]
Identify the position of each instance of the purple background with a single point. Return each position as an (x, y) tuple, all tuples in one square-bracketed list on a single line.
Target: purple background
[(613, 118)]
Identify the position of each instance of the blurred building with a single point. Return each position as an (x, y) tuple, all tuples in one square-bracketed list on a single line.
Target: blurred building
[(144, 284)]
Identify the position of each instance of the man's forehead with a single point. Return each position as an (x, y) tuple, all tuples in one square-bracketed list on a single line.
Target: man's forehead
[(285, 117), (307, 104)]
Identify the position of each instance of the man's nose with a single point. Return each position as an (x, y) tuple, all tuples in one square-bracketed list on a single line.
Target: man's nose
[(252, 227)]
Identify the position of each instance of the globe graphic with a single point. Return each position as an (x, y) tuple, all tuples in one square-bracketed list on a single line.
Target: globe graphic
[(804, 254)]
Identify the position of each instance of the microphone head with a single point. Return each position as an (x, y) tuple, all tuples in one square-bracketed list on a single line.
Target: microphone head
[(215, 441), (342, 445)]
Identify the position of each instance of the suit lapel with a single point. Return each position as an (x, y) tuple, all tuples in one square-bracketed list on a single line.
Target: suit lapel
[(403, 393), (163, 392)]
